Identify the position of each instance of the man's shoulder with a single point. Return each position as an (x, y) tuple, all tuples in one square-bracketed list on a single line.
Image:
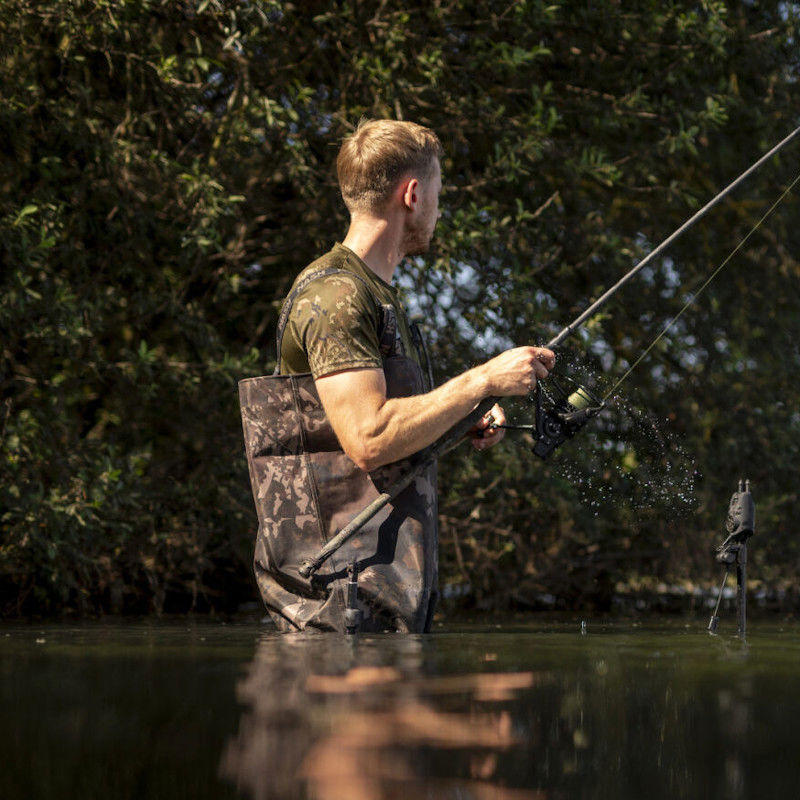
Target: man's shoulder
[(334, 259), (334, 319), (332, 280)]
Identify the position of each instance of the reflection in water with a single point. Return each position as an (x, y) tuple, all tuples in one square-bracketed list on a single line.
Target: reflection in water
[(326, 719), (512, 716), (492, 711)]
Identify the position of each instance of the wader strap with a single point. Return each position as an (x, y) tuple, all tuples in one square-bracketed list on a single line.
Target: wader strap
[(283, 320), (422, 349), (387, 335)]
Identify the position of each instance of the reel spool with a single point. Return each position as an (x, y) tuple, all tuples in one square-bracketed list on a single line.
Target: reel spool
[(561, 413)]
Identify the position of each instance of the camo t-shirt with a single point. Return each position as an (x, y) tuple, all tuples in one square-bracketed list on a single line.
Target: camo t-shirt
[(334, 321)]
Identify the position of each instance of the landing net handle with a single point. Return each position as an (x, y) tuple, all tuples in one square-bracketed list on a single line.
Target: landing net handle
[(455, 436)]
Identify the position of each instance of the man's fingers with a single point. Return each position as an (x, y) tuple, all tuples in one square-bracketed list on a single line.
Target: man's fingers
[(547, 357), (516, 371), (540, 370), (491, 436), (498, 415)]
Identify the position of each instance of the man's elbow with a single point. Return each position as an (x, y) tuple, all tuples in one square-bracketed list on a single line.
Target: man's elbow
[(368, 452), (366, 457)]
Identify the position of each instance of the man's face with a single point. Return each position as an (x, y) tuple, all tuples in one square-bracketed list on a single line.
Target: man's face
[(420, 228)]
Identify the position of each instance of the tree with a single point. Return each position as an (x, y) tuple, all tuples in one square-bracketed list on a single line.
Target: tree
[(169, 171)]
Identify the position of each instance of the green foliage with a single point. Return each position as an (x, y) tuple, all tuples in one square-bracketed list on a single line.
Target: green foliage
[(168, 168)]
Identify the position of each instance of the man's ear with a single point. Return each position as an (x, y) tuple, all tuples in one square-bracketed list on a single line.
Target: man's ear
[(411, 194)]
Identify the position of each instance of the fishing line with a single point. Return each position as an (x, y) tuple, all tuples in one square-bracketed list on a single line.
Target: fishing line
[(708, 280)]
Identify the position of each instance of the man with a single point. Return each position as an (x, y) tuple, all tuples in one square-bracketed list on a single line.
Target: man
[(352, 407)]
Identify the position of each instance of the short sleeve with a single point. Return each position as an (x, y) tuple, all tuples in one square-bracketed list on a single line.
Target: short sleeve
[(335, 320)]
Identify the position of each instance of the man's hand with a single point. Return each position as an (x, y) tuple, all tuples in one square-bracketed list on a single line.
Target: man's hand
[(482, 435), (516, 371)]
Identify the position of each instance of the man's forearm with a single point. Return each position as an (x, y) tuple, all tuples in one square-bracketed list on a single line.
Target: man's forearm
[(405, 425)]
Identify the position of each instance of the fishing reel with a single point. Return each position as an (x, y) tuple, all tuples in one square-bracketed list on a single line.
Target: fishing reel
[(561, 411)]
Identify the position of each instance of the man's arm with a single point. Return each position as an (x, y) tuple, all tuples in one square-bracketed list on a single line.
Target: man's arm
[(375, 430)]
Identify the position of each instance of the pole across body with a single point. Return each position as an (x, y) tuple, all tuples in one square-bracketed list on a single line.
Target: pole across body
[(454, 437)]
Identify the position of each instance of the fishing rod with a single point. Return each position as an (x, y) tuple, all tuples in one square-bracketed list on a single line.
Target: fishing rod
[(560, 411)]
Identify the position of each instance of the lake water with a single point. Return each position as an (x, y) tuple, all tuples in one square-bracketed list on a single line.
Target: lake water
[(528, 708)]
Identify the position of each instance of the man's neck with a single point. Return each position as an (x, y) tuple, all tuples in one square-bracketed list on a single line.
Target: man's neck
[(376, 243)]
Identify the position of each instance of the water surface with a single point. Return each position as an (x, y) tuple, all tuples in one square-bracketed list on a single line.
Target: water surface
[(530, 708)]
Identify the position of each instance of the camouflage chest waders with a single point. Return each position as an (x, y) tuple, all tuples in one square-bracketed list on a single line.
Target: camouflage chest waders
[(306, 489)]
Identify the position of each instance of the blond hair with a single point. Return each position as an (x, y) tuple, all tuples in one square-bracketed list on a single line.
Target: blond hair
[(377, 154)]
